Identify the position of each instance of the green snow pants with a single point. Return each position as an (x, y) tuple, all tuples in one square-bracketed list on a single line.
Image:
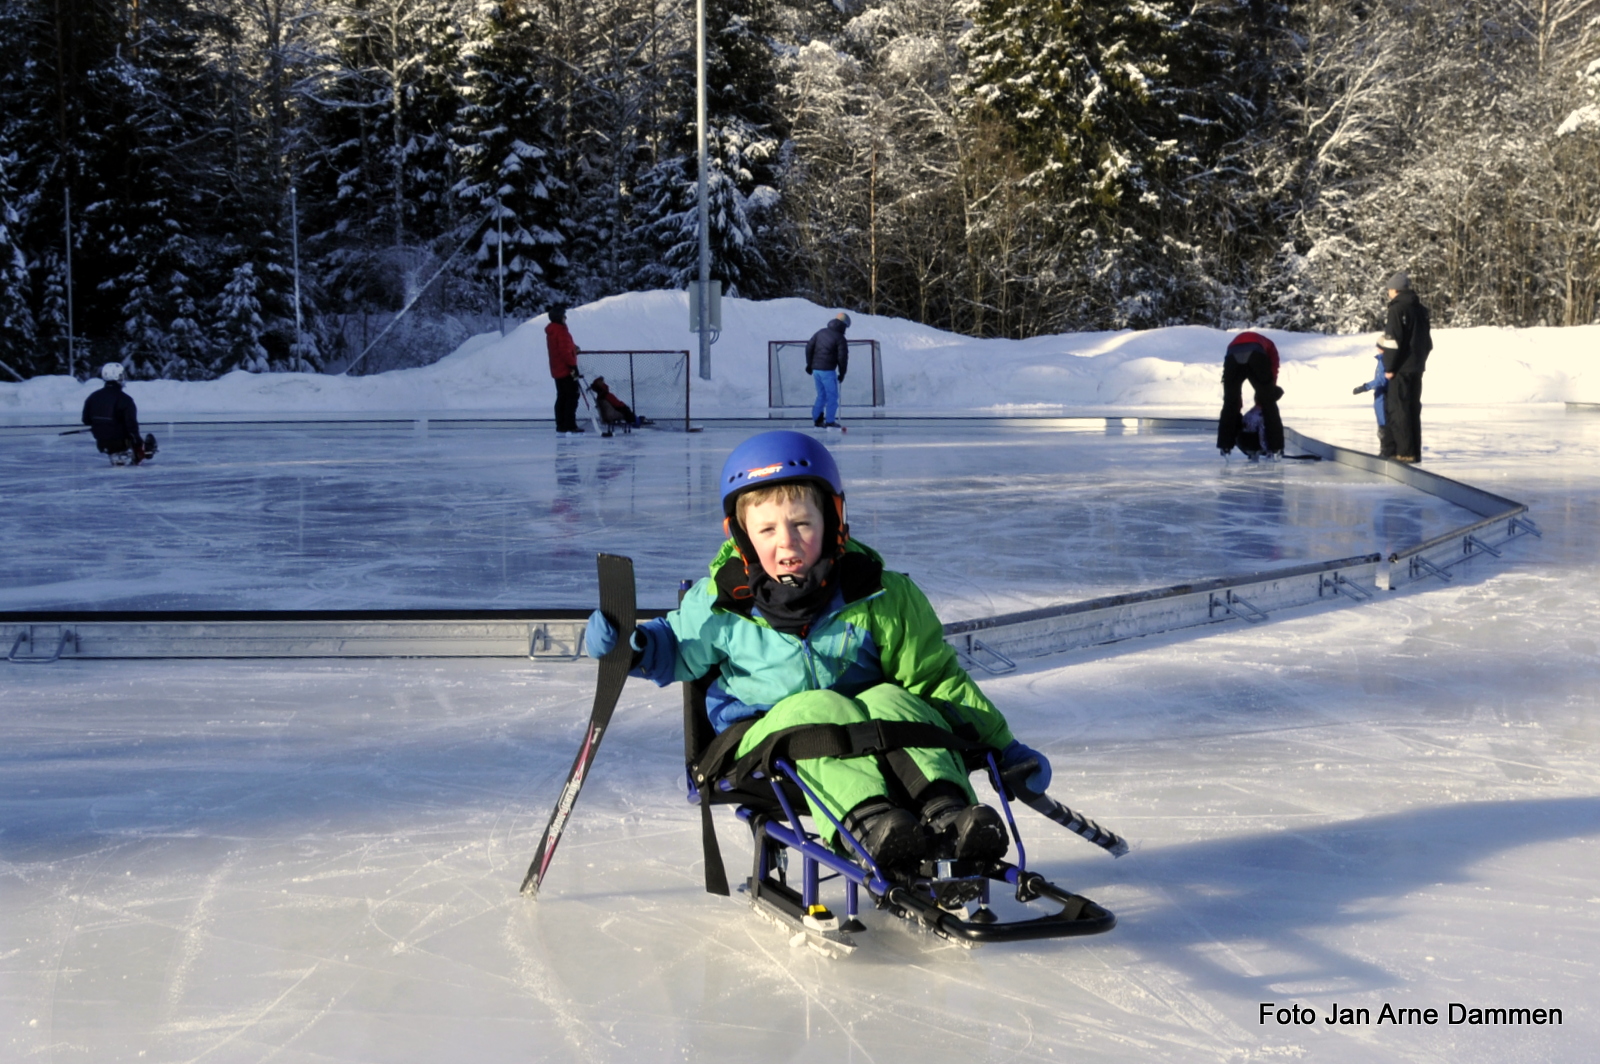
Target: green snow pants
[(845, 782)]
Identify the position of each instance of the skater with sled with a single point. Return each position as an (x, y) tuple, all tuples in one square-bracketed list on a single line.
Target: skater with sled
[(827, 361), (113, 417), (1379, 387), (564, 369), (612, 410), (802, 647), (1251, 357)]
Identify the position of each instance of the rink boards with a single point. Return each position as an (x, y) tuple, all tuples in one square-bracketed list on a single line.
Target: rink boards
[(991, 644)]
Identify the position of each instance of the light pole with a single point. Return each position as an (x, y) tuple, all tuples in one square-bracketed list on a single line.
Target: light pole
[(294, 243), (72, 350), (703, 289), (500, 263)]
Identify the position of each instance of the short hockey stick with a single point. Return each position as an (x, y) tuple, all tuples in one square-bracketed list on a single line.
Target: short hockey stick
[(1076, 823), (617, 602), (583, 391)]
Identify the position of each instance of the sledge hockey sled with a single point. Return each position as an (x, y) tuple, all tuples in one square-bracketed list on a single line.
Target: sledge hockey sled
[(125, 456), (789, 862)]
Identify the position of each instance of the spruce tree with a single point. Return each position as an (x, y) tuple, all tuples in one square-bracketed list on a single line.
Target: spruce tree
[(1086, 107), (504, 140), (17, 332)]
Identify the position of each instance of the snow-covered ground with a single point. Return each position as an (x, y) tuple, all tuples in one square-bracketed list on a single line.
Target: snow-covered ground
[(1392, 804), (924, 370)]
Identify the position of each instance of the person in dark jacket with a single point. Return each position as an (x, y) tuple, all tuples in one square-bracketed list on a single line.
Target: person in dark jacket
[(1251, 357), (827, 360), (113, 417), (564, 369), (1405, 357)]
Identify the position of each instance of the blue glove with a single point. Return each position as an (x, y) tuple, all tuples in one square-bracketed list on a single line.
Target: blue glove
[(1017, 755), (600, 638)]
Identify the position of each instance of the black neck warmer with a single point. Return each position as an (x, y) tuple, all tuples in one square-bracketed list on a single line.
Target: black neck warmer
[(790, 608)]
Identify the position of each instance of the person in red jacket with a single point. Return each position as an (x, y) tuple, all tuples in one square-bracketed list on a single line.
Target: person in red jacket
[(564, 368), (1251, 357)]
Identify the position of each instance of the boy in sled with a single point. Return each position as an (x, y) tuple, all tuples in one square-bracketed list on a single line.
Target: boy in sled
[(808, 627), (611, 409)]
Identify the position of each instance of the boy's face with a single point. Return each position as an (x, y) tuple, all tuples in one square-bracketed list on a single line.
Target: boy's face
[(787, 536)]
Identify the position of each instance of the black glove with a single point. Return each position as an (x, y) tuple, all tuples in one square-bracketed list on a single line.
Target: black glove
[(1359, 389), (808, 371)]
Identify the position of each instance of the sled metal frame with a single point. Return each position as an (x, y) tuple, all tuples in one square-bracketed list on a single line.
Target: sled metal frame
[(989, 644), (916, 897)]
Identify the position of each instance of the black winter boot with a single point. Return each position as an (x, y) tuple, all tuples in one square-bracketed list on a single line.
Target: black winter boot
[(891, 834), (965, 832)]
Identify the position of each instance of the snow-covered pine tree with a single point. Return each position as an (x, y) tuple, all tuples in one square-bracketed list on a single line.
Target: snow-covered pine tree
[(506, 132), (17, 332), (377, 185), (744, 145), (146, 345), (673, 198), (239, 325), (1084, 102), (153, 159)]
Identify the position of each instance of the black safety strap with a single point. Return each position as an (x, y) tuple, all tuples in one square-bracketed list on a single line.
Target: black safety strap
[(805, 741)]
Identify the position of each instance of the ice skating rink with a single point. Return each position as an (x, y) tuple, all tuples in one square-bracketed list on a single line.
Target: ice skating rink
[(989, 518), (1396, 804)]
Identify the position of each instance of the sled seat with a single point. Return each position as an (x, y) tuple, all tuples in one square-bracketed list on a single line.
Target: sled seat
[(611, 418)]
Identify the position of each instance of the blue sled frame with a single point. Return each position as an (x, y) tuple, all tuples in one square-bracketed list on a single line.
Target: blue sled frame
[(948, 898)]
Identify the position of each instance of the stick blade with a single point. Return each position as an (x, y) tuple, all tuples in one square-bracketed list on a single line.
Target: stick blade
[(616, 601)]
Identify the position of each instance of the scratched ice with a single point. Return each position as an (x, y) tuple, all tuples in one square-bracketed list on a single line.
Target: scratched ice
[(317, 862), (308, 517)]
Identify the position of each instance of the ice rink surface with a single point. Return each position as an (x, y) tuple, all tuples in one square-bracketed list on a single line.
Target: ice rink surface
[(1391, 804), (461, 515)]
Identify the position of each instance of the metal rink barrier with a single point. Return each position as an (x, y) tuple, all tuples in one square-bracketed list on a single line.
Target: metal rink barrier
[(44, 638)]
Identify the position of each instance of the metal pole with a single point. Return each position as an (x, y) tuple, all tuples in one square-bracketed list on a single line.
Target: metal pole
[(294, 238), (72, 350), (703, 289), (500, 262)]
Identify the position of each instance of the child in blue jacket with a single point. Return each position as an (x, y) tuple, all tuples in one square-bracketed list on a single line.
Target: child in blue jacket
[(1379, 387)]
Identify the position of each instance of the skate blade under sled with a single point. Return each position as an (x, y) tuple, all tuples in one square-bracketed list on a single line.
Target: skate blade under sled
[(790, 864)]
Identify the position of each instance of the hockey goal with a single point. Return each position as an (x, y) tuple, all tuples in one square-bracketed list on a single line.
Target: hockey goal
[(788, 386), (655, 384)]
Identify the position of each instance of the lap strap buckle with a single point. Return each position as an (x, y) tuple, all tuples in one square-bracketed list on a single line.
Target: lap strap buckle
[(865, 737)]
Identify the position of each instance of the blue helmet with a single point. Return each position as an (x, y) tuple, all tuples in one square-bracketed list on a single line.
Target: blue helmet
[(773, 457)]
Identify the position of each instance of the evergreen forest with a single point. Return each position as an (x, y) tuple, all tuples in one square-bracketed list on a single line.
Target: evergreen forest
[(200, 186)]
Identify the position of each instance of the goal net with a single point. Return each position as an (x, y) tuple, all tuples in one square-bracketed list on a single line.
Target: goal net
[(654, 384), (789, 386)]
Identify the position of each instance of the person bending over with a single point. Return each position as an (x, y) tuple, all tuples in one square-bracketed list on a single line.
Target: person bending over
[(1251, 357)]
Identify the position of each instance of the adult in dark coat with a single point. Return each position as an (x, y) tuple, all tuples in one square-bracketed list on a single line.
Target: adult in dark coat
[(1254, 358), (827, 360), (1405, 346), (563, 368), (113, 417)]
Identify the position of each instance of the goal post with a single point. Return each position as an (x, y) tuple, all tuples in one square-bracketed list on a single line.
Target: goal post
[(788, 385), (654, 384)]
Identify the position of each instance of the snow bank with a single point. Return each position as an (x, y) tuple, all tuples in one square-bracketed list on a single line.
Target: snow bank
[(925, 370)]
